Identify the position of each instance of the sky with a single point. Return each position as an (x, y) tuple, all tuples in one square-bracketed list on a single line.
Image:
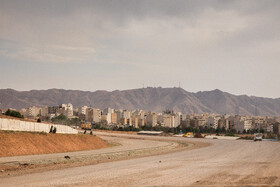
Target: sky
[(110, 45)]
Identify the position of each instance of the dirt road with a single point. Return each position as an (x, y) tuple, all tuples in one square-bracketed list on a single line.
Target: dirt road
[(224, 163)]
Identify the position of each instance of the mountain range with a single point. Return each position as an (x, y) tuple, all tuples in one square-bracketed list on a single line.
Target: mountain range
[(149, 99)]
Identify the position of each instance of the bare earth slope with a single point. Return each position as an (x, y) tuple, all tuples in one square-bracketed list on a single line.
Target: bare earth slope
[(26, 143), (151, 99)]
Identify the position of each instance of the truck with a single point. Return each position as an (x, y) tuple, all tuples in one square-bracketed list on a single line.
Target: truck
[(86, 126), (258, 136), (189, 135)]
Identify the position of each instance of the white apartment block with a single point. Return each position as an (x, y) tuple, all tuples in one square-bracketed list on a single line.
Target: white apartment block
[(248, 124), (82, 110), (67, 109), (68, 106)]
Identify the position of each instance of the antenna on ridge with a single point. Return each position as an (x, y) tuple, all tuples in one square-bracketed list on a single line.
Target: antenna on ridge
[(179, 84)]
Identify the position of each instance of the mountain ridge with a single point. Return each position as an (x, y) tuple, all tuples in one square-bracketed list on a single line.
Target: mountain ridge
[(150, 99)]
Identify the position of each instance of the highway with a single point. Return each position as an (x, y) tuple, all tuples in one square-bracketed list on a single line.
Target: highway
[(223, 163)]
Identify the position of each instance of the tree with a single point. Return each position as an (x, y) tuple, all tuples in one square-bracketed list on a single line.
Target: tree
[(13, 114), (39, 120), (61, 117), (223, 130)]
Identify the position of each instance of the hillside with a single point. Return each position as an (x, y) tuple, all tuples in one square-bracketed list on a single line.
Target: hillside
[(27, 143), (150, 99)]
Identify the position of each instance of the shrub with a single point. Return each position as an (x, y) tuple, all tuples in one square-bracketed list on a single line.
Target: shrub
[(13, 114), (229, 134), (247, 138), (271, 136)]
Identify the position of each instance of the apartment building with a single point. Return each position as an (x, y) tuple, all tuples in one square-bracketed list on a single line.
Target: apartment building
[(151, 119), (177, 119), (108, 111), (106, 118), (32, 111), (53, 109), (44, 111), (93, 115), (82, 110), (168, 120), (126, 121), (213, 121), (67, 109), (135, 122), (248, 124), (114, 118)]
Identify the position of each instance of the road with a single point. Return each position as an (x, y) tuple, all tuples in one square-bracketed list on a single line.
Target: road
[(223, 163)]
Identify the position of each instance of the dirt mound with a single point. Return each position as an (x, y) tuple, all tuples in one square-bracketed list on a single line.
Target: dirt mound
[(27, 143)]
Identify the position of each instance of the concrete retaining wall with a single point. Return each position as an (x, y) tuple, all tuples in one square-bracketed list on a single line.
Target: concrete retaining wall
[(18, 125)]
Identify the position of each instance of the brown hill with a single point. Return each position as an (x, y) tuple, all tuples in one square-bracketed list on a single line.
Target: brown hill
[(151, 99)]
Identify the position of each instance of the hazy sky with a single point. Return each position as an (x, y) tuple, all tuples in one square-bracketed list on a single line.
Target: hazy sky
[(106, 45)]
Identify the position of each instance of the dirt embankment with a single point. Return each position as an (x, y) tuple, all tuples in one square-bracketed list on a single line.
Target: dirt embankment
[(27, 143)]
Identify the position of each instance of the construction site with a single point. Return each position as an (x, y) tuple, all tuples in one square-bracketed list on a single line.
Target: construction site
[(112, 158)]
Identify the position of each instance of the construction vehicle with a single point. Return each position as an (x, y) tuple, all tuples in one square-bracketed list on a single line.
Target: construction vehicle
[(189, 135), (86, 126), (258, 136)]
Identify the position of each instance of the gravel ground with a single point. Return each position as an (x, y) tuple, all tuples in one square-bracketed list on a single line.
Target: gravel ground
[(223, 163)]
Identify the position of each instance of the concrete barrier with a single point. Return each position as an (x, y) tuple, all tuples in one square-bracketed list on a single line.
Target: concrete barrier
[(19, 125)]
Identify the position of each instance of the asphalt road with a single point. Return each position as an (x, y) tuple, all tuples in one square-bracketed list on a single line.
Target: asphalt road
[(223, 163)]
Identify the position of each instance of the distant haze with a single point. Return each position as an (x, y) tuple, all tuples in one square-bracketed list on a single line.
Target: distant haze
[(232, 45), (149, 99)]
